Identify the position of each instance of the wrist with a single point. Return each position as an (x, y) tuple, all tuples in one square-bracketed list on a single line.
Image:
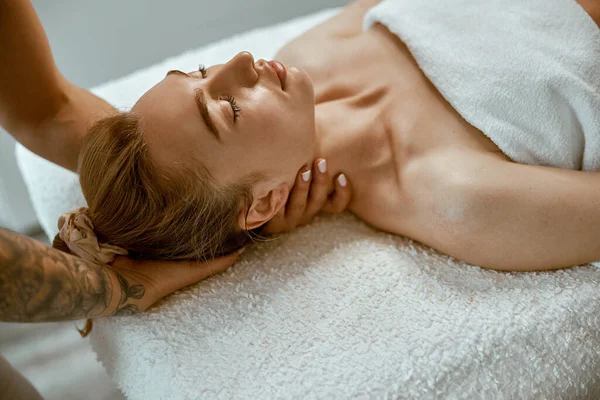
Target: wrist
[(127, 296)]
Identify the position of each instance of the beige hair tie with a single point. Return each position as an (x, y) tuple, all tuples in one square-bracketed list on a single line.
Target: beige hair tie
[(77, 231)]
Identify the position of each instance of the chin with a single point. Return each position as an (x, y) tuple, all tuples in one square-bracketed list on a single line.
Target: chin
[(301, 80)]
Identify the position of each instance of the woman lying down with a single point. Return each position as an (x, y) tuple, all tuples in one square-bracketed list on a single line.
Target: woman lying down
[(479, 139)]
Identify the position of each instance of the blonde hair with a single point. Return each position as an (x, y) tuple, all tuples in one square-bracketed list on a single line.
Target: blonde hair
[(153, 211)]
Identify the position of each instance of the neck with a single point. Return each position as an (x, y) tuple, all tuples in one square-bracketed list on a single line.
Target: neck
[(352, 138), (333, 142)]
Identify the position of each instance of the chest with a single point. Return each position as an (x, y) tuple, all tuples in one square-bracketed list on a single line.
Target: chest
[(386, 110), (344, 64), (373, 76)]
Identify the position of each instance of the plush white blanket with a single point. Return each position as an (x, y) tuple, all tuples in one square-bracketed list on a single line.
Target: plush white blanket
[(336, 310)]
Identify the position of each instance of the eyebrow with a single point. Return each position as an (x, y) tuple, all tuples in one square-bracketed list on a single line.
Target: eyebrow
[(201, 103)]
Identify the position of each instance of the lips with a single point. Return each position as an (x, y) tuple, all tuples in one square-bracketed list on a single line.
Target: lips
[(281, 72)]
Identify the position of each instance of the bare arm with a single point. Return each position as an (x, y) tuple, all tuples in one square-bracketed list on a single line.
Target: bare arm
[(509, 216), (39, 283), (40, 108)]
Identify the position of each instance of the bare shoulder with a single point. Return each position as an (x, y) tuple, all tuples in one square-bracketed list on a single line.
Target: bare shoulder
[(347, 22), (592, 7), (450, 168), (444, 189)]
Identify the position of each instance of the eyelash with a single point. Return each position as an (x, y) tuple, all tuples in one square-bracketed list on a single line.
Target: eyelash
[(236, 109), (202, 70), (234, 106)]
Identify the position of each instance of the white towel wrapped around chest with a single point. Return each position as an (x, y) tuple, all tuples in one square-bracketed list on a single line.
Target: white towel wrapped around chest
[(524, 72)]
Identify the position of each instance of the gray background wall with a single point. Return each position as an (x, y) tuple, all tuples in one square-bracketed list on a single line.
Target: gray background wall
[(95, 41)]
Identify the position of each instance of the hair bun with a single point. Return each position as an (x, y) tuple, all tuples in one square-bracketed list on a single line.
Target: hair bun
[(77, 231)]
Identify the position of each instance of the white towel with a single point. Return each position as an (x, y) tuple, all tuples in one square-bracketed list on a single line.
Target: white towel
[(336, 310), (525, 72)]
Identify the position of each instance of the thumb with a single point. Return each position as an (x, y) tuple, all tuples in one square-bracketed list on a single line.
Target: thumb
[(179, 274), (161, 278), (216, 265)]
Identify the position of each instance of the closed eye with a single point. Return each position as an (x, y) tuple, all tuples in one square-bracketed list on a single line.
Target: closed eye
[(234, 107)]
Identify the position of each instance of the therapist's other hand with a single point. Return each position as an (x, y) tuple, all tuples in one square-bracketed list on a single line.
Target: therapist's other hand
[(144, 282), (314, 191)]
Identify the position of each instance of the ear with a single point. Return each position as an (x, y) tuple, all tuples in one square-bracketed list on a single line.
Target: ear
[(264, 207)]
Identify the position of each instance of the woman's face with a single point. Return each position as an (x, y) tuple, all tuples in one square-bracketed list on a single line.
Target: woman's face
[(235, 119)]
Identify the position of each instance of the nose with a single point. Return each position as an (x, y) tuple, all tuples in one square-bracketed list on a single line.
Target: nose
[(239, 71)]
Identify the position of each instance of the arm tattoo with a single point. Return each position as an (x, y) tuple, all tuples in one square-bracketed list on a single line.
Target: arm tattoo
[(134, 291), (39, 283)]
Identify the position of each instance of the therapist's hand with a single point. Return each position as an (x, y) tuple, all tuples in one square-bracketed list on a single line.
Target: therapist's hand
[(315, 190), (144, 282), (39, 283)]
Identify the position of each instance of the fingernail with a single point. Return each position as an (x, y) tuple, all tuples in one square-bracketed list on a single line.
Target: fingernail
[(306, 175), (240, 251), (342, 180), (322, 165)]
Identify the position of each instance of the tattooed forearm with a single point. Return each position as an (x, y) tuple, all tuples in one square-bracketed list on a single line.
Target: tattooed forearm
[(134, 291), (39, 283)]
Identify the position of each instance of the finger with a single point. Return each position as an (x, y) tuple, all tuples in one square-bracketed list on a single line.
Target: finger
[(276, 224), (298, 198), (319, 189), (188, 273), (338, 201), (208, 268), (160, 278)]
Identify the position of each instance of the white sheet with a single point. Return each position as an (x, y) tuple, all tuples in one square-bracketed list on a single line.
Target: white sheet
[(338, 310)]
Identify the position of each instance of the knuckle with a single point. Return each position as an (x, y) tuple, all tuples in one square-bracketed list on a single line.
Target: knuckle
[(295, 209), (300, 189), (318, 197), (310, 211), (302, 185), (320, 178), (298, 201), (298, 197)]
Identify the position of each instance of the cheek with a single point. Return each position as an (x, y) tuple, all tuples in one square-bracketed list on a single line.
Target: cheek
[(274, 124), (267, 124)]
